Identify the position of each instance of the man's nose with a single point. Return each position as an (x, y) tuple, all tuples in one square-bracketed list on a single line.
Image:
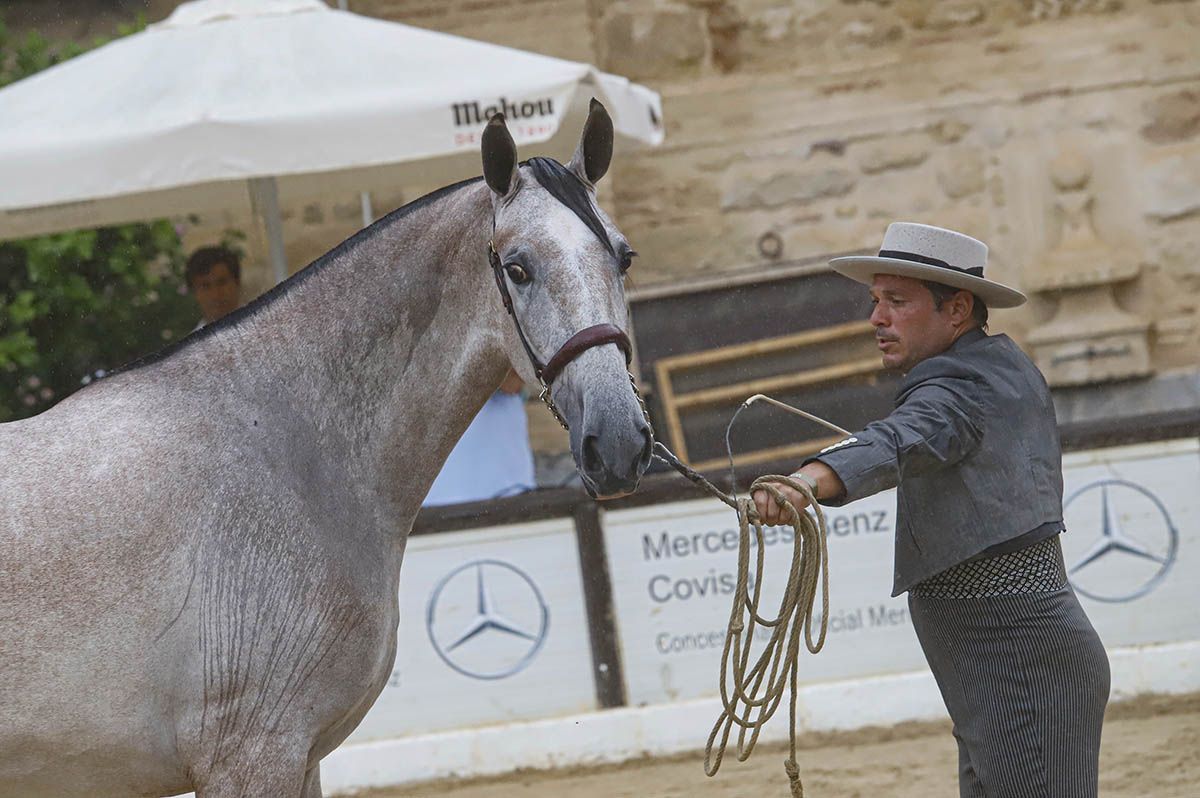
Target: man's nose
[(878, 316)]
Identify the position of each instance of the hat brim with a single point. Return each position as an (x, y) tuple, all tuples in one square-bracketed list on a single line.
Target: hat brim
[(863, 268)]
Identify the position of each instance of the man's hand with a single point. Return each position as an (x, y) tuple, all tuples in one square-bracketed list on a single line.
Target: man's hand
[(829, 485), (770, 512)]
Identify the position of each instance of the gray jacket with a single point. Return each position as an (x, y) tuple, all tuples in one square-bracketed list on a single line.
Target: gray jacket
[(973, 447)]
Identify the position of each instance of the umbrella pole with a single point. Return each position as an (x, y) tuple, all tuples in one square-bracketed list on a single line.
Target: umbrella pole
[(264, 199), (368, 210)]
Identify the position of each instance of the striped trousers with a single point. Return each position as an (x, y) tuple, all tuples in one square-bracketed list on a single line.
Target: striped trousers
[(1024, 676)]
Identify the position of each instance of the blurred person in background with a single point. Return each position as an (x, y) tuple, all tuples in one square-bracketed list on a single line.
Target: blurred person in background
[(214, 278)]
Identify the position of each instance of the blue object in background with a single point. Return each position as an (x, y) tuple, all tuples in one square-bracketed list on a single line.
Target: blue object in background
[(493, 457)]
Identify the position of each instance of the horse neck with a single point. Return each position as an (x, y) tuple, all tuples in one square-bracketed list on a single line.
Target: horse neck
[(391, 348)]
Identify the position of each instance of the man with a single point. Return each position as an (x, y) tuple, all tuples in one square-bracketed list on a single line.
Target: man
[(214, 277), (972, 446)]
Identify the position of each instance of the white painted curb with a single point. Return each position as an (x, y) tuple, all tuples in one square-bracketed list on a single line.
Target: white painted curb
[(621, 734)]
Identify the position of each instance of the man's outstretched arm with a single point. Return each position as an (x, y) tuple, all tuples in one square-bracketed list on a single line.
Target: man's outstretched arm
[(824, 480), (937, 426)]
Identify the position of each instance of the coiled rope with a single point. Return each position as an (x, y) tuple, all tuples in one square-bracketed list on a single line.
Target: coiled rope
[(751, 693)]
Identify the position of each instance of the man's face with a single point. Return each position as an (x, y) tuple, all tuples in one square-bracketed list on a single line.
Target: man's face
[(216, 292), (908, 327)]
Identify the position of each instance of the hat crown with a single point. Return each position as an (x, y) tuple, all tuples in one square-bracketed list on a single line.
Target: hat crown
[(955, 249)]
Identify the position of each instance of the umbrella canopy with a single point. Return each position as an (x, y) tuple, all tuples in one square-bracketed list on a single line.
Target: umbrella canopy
[(180, 117)]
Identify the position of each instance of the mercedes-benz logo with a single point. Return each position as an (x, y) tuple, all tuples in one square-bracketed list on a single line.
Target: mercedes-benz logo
[(1119, 565), (487, 619)]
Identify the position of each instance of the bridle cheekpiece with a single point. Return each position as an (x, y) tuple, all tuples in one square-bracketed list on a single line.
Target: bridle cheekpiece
[(577, 344)]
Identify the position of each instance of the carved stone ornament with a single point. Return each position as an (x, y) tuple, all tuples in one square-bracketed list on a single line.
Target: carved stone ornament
[(1090, 339)]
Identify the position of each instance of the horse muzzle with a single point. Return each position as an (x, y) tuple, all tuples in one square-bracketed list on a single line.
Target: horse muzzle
[(611, 465)]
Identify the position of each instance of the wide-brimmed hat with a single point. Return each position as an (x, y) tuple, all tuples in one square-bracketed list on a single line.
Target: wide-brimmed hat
[(934, 254)]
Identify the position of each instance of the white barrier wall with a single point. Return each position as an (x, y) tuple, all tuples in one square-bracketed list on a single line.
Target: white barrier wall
[(492, 630), (494, 669), (1132, 544), (673, 568)]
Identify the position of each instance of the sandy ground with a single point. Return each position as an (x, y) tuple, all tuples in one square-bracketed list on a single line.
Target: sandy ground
[(1150, 750)]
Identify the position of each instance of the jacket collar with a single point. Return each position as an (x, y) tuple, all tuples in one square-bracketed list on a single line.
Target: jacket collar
[(968, 338), (921, 371)]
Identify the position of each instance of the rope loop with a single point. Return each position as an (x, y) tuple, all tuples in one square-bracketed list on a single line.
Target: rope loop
[(750, 693), (752, 687)]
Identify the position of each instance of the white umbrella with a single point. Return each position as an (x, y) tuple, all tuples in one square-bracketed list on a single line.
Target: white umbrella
[(287, 96)]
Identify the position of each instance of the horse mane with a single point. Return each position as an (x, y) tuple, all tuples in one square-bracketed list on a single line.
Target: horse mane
[(566, 187)]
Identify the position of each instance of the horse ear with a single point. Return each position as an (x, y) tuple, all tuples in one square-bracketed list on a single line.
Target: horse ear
[(594, 154), (499, 156)]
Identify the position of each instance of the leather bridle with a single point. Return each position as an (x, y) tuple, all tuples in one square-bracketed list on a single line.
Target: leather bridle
[(577, 344)]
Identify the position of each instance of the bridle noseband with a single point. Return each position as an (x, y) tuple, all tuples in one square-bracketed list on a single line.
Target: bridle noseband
[(577, 344)]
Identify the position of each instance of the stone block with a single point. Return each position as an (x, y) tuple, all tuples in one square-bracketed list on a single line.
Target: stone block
[(774, 37), (1173, 188), (1173, 117), (949, 131), (1179, 255), (679, 250), (747, 192), (962, 174), (942, 16), (506, 22), (871, 32), (1056, 9), (892, 154), (640, 41), (725, 26), (774, 24), (1178, 330)]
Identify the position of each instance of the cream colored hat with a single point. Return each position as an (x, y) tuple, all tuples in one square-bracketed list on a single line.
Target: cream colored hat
[(934, 254)]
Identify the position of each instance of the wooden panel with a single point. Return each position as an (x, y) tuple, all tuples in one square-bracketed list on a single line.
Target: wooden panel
[(710, 350), (684, 323), (739, 391), (794, 451), (765, 346)]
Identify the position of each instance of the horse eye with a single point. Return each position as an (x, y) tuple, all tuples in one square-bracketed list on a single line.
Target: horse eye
[(627, 260), (516, 273)]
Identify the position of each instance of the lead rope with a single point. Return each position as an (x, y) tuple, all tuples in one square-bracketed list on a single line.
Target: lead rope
[(757, 690)]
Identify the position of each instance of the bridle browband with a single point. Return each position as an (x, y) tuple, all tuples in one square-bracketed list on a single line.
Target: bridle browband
[(577, 344)]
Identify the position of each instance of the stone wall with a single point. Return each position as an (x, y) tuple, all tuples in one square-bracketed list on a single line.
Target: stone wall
[(1065, 133), (821, 121)]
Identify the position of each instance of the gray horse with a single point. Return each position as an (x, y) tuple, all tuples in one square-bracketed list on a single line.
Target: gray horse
[(200, 555)]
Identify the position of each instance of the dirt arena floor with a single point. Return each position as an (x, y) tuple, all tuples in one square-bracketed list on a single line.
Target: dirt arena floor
[(1149, 751)]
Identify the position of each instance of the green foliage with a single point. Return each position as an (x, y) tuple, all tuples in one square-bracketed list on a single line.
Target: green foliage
[(75, 303)]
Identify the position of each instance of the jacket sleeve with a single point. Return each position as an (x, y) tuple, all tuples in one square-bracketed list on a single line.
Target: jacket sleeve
[(937, 425)]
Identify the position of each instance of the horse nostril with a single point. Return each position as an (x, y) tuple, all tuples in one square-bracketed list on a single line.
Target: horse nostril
[(592, 462)]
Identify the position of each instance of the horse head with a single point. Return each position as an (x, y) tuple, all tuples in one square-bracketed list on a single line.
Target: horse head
[(560, 263)]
